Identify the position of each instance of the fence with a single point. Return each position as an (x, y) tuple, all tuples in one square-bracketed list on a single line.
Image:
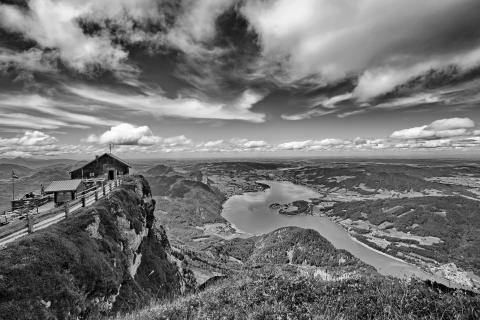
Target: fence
[(31, 223)]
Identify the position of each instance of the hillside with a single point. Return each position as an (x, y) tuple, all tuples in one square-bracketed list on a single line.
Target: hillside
[(162, 250), (454, 220), (290, 273), (37, 163), (30, 181), (282, 293), (7, 168), (294, 273), (113, 256)]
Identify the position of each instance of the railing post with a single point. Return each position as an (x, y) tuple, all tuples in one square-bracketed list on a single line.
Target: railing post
[(29, 223), (96, 195), (103, 189), (83, 201), (67, 210)]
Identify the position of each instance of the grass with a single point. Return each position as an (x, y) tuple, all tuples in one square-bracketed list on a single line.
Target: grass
[(276, 293), (80, 276)]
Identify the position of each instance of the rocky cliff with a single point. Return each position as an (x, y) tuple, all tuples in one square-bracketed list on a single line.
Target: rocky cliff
[(113, 256)]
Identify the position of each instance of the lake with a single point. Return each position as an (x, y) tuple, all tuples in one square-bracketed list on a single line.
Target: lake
[(249, 213)]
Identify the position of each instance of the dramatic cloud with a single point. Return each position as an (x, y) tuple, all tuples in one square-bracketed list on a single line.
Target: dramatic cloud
[(195, 25), (54, 24), (221, 70), (318, 35), (385, 79), (31, 60)]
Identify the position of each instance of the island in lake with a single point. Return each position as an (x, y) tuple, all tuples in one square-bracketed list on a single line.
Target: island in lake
[(293, 208)]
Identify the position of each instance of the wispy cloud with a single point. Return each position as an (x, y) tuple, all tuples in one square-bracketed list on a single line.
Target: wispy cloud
[(182, 107), (40, 112)]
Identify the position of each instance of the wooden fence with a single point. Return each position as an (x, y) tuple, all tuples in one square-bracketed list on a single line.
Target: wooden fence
[(31, 223)]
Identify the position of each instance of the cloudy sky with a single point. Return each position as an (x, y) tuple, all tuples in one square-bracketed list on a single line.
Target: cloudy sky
[(188, 78)]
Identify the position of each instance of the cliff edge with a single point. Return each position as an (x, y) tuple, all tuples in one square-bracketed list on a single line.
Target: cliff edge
[(110, 257)]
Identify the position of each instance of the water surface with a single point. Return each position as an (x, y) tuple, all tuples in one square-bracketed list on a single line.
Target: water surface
[(250, 213)]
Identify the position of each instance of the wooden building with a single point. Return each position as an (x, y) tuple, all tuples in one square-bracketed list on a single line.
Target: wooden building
[(64, 190), (106, 166)]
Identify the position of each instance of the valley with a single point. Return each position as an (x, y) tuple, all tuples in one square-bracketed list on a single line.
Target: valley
[(401, 209), (233, 236)]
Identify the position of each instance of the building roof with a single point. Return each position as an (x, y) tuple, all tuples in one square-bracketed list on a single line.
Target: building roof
[(63, 185), (105, 154)]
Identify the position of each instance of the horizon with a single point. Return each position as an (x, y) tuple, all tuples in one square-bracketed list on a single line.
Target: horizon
[(242, 157)]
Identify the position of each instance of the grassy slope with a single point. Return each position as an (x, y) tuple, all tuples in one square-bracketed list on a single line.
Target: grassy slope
[(272, 287), (276, 294), (64, 266)]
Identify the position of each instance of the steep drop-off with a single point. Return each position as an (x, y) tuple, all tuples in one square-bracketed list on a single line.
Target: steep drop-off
[(110, 257)]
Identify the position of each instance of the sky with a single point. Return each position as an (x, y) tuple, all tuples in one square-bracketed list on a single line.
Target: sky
[(240, 78)]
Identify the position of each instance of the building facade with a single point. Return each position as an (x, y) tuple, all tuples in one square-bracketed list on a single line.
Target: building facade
[(106, 166)]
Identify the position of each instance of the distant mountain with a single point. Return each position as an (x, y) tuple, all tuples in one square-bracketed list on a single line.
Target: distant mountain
[(30, 179), (36, 163), (7, 168), (159, 170)]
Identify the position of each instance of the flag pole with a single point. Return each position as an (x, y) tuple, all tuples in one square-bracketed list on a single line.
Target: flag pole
[(13, 186)]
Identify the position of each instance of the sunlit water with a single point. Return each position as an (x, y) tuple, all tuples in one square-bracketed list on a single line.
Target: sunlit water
[(250, 213)]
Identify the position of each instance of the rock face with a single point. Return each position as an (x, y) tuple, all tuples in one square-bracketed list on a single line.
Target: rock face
[(112, 256)]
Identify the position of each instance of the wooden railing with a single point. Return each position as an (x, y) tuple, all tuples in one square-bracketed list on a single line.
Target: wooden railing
[(31, 223)]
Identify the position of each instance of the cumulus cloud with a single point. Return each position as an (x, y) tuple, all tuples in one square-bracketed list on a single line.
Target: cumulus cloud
[(34, 143), (29, 138), (140, 139), (233, 145), (125, 134), (311, 145), (452, 123), (443, 134), (452, 127)]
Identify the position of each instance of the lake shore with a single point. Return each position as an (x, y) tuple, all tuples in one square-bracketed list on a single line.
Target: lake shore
[(259, 203)]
